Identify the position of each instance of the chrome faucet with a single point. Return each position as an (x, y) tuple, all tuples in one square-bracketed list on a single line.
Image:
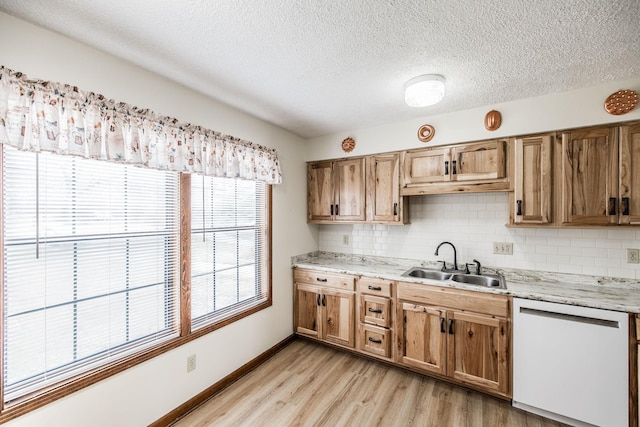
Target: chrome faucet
[(455, 256)]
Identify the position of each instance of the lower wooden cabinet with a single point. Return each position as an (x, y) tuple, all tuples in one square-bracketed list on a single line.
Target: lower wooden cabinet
[(461, 335), (375, 316), (325, 311), (457, 335)]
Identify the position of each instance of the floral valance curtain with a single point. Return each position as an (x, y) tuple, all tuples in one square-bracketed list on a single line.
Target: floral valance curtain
[(37, 115)]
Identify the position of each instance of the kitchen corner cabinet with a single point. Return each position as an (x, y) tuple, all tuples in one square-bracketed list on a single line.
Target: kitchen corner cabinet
[(325, 306), (336, 191), (383, 201), (480, 166), (600, 172), (532, 188), (459, 335)]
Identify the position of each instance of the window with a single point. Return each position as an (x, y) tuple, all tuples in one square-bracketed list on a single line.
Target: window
[(91, 257), (229, 247)]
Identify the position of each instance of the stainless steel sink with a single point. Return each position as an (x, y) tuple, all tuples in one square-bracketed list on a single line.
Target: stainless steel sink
[(488, 280), (491, 281), (427, 273)]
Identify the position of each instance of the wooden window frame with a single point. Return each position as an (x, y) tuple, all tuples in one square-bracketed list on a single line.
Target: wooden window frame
[(66, 387)]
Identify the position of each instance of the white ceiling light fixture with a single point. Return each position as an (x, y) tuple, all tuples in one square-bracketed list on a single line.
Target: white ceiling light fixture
[(424, 90)]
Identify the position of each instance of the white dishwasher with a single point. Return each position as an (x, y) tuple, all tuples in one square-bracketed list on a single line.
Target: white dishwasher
[(571, 363)]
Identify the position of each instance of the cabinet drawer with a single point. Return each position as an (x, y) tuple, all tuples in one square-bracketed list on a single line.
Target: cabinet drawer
[(320, 278), (478, 302), (375, 340), (375, 310), (371, 286)]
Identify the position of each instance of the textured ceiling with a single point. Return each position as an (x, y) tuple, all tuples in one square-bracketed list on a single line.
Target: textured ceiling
[(327, 66)]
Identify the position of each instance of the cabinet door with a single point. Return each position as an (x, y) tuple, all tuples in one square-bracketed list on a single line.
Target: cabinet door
[(422, 342), (338, 317), (349, 184), (590, 177), (630, 174), (532, 180), (426, 166), (481, 161), (478, 348), (307, 310), (319, 191), (383, 188)]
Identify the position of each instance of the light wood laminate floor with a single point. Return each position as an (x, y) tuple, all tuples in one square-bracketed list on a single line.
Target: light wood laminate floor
[(308, 384)]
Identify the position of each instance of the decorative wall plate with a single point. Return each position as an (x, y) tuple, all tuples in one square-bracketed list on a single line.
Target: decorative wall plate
[(621, 102), (426, 133), (492, 120), (348, 145)]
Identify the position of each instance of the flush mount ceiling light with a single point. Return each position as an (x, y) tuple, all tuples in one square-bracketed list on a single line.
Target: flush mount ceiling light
[(425, 90)]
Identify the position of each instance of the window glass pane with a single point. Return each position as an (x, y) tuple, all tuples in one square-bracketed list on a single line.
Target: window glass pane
[(91, 264), (229, 255)]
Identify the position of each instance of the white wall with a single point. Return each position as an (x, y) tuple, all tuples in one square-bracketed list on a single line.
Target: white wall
[(473, 222), (145, 393), (565, 110)]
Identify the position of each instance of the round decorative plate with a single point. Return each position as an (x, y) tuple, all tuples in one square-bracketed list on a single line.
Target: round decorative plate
[(492, 120), (426, 133), (348, 145), (621, 102)]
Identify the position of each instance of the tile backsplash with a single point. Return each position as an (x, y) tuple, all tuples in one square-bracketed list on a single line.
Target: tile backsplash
[(472, 222)]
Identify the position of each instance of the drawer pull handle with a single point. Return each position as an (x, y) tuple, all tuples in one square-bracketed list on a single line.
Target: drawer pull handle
[(321, 280), (324, 302), (625, 206), (441, 325), (453, 168), (446, 167), (395, 209), (450, 326), (318, 299), (373, 310), (374, 288), (375, 341), (332, 210), (612, 205), (519, 202)]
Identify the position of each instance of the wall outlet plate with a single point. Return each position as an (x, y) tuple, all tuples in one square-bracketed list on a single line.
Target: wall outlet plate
[(633, 256), (503, 248), (345, 239), (191, 363)]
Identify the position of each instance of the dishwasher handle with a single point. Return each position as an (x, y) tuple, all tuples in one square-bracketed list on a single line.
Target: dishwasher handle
[(570, 317)]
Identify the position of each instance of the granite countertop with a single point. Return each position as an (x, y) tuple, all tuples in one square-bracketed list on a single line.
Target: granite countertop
[(588, 291)]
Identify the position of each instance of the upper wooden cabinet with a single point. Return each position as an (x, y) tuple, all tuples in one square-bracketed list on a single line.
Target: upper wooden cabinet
[(480, 166), (600, 176), (356, 190), (532, 191), (383, 201), (336, 191), (629, 190)]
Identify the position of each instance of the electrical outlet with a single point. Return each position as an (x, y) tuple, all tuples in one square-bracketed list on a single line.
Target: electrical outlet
[(191, 363), (503, 248), (345, 239), (633, 256)]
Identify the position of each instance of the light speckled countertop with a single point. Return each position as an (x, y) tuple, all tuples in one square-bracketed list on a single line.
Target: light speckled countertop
[(588, 291)]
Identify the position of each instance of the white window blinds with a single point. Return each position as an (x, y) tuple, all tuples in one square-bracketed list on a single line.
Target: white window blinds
[(91, 264), (229, 247)]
